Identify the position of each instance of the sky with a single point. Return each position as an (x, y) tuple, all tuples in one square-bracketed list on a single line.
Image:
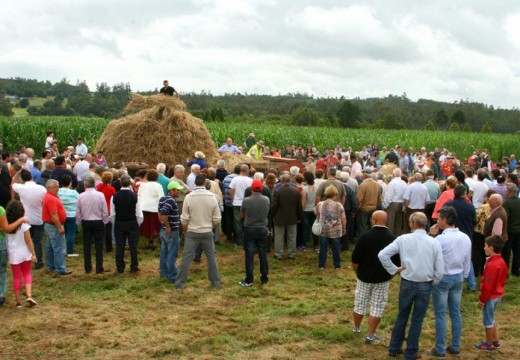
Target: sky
[(444, 50)]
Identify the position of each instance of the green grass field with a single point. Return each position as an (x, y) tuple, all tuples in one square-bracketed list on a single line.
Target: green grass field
[(303, 313)]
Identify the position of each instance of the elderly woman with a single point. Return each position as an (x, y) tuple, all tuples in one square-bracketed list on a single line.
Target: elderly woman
[(105, 186), (148, 195), (331, 214), (308, 203), (447, 195), (478, 257)]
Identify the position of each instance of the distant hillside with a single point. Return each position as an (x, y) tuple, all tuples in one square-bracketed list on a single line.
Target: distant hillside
[(392, 112)]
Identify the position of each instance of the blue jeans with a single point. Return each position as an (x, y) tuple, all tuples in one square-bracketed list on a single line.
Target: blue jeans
[(169, 253), (54, 249), (489, 312), (255, 238), (471, 282), (416, 295), (336, 251), (447, 295), (36, 232), (308, 220), (70, 234)]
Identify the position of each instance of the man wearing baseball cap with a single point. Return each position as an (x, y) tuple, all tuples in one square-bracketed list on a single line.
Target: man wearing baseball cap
[(254, 211), (169, 234)]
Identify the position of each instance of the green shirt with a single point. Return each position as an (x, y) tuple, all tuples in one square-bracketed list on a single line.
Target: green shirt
[(3, 245)]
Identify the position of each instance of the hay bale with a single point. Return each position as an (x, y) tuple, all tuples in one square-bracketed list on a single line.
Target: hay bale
[(161, 132), (387, 169)]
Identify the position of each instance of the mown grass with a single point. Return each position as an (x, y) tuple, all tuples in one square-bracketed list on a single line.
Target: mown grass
[(302, 313)]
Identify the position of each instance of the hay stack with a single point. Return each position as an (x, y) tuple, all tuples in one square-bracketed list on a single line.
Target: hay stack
[(162, 131), (387, 169)]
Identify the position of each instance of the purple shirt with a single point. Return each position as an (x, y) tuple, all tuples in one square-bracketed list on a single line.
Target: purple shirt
[(91, 206)]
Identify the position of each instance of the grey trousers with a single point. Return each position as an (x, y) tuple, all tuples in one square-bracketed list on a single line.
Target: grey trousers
[(191, 241), (279, 235), (395, 218)]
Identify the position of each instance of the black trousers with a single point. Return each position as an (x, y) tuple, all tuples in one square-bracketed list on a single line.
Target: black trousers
[(93, 232), (126, 230)]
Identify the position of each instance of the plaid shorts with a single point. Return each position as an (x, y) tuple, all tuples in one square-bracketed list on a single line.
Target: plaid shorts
[(376, 294)]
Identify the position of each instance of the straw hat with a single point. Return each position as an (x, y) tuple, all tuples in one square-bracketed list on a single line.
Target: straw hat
[(199, 154), (260, 143)]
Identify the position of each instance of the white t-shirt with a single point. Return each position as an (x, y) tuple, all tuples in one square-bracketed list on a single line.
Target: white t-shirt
[(17, 249), (240, 184), (48, 142), (31, 196)]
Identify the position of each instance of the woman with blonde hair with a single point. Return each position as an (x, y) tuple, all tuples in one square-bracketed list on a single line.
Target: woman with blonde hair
[(331, 214)]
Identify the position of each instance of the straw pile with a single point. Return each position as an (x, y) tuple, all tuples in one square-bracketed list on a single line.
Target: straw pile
[(162, 131), (387, 169), (232, 160)]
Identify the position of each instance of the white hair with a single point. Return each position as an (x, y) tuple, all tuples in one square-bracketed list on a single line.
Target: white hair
[(161, 168), (221, 164), (294, 170), (396, 172), (195, 167), (258, 176)]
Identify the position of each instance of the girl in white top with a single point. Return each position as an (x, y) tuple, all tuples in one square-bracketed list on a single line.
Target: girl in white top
[(20, 251)]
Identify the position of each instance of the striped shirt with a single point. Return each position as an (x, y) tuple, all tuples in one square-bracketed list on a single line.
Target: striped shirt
[(69, 198), (168, 206)]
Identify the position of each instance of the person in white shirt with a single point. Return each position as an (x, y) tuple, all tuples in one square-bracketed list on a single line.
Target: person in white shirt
[(415, 198), (238, 186), (50, 139), (456, 252), (422, 267), (190, 180), (394, 199), (31, 196), (479, 189), (82, 167), (81, 148)]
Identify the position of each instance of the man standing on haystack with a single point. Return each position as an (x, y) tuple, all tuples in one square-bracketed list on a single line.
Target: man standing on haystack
[(168, 90)]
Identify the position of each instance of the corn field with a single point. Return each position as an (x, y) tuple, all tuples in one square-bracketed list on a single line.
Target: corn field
[(31, 131)]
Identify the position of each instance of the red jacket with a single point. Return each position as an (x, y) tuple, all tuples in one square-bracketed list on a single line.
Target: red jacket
[(493, 279)]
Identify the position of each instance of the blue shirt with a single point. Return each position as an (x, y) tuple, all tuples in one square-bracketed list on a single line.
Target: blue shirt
[(456, 251), (36, 175), (168, 207)]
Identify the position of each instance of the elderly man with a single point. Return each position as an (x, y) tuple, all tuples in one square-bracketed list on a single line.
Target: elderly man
[(331, 180), (178, 176), (31, 196), (126, 216), (199, 215), (496, 223), (163, 179), (394, 200), (373, 281), (287, 211), (170, 223), (238, 187), (82, 167), (416, 196), (228, 147), (53, 217), (456, 252), (190, 181), (254, 211), (512, 208), (92, 214), (368, 197), (422, 268)]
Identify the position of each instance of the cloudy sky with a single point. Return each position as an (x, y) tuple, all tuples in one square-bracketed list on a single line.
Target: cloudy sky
[(443, 50)]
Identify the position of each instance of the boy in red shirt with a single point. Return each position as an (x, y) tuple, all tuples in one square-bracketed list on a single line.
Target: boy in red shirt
[(492, 290)]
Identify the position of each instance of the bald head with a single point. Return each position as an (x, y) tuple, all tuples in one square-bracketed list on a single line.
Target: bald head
[(379, 218), (495, 201)]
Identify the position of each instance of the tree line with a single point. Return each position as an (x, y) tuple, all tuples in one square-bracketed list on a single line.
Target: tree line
[(391, 112)]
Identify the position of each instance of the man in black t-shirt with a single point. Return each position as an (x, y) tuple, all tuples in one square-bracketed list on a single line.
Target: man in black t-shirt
[(168, 90), (372, 282)]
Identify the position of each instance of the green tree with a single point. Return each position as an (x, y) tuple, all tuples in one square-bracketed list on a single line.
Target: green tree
[(459, 117), (454, 127), (393, 122), (6, 108), (441, 118), (305, 117), (486, 128), (429, 126), (467, 127), (24, 103), (349, 114)]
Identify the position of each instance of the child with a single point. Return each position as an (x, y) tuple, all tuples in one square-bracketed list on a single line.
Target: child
[(492, 290), (20, 250), (50, 139)]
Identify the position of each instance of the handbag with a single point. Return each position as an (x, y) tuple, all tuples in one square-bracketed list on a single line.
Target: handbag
[(317, 226)]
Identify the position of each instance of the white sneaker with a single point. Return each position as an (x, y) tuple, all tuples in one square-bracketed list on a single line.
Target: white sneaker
[(72, 255)]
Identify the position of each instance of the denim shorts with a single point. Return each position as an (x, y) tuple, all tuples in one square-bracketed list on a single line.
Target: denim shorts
[(489, 311)]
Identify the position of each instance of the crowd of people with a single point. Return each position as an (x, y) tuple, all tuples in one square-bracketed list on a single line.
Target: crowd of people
[(432, 218)]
